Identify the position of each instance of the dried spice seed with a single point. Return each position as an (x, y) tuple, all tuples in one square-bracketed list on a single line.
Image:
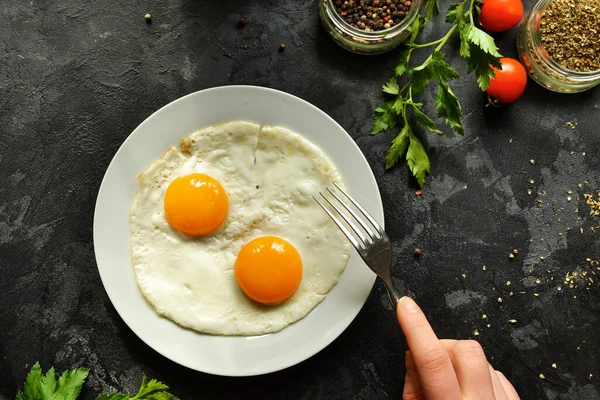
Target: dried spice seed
[(242, 21), (417, 252), (569, 33), (148, 17), (281, 47), (593, 203), (554, 366), (512, 321), (372, 15), (542, 376)]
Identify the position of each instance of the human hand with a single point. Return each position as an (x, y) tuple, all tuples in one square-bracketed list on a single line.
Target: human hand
[(446, 369)]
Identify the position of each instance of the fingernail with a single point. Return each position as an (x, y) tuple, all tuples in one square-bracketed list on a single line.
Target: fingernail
[(408, 305)]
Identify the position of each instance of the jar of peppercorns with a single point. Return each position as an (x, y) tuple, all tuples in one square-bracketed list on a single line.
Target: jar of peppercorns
[(368, 26)]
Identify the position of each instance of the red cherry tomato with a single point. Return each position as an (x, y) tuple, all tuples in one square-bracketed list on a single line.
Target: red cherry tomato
[(509, 83), (500, 15)]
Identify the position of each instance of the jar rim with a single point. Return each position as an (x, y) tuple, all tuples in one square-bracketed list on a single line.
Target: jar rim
[(389, 33), (540, 50)]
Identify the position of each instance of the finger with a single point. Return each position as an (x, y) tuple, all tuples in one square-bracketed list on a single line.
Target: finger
[(511, 393), (498, 389), (472, 370), (412, 384), (433, 364)]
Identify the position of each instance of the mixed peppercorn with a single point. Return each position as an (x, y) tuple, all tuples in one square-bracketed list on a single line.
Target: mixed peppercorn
[(372, 15)]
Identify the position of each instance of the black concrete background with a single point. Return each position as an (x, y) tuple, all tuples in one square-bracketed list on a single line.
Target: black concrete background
[(76, 77)]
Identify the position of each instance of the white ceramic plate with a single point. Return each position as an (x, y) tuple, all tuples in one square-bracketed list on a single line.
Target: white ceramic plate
[(229, 356)]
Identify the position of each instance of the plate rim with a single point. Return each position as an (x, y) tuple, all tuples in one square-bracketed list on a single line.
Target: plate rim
[(102, 188)]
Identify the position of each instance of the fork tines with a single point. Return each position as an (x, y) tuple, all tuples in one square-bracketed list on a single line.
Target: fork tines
[(346, 218)]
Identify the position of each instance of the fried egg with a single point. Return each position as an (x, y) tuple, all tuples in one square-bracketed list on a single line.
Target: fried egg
[(226, 238)]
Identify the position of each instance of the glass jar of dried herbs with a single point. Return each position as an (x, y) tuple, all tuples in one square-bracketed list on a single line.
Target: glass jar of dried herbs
[(559, 44), (368, 26)]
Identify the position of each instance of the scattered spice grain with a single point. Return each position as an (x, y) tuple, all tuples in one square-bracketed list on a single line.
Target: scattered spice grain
[(148, 17)]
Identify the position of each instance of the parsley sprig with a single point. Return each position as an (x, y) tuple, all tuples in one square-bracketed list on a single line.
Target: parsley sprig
[(40, 386), (481, 53)]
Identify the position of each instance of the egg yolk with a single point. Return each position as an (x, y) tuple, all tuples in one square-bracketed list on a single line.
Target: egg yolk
[(268, 269), (196, 204)]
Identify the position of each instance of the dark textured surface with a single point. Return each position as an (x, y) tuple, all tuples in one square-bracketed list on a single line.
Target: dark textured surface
[(77, 77)]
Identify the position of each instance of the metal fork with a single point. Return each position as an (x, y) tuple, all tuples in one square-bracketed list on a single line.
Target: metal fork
[(370, 242)]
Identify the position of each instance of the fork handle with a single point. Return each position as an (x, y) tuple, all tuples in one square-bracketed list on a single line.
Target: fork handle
[(392, 292)]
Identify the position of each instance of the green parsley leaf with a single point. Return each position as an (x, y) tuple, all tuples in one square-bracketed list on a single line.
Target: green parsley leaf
[(482, 54), (485, 42), (402, 66), (442, 71), (425, 121), (481, 62), (449, 107), (417, 159), (384, 118), (455, 13), (432, 7), (398, 147), (32, 389), (399, 105), (391, 86), (39, 386), (153, 390), (416, 27), (465, 47), (420, 77)]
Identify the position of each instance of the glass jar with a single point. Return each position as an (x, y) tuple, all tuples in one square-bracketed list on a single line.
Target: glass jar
[(538, 63), (363, 42)]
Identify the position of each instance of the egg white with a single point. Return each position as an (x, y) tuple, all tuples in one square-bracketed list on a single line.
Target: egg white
[(270, 175)]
